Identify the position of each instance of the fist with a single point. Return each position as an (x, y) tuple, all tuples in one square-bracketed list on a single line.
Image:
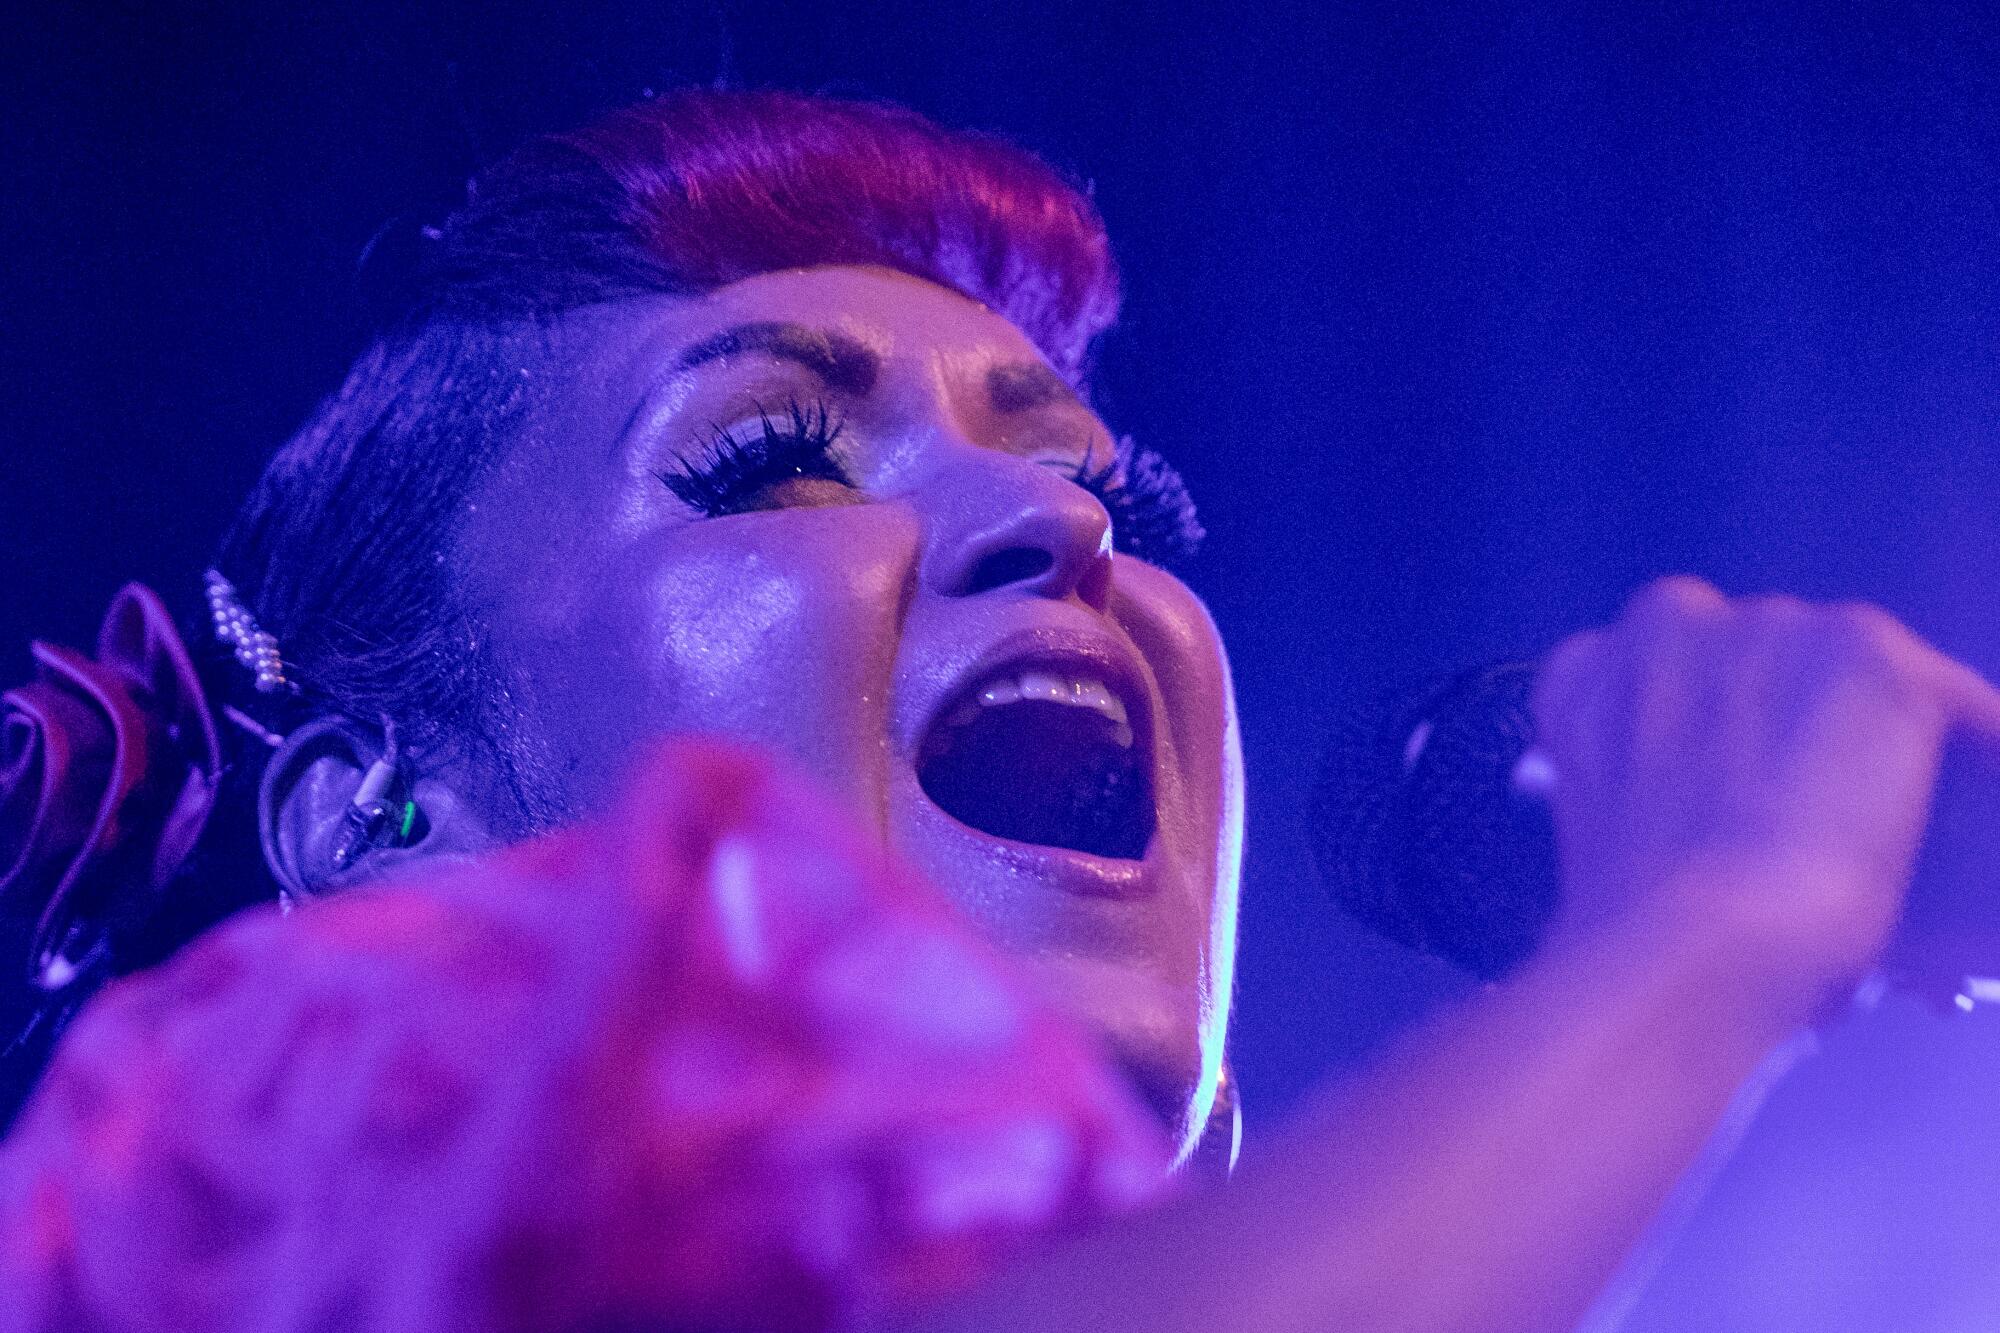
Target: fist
[(1748, 776)]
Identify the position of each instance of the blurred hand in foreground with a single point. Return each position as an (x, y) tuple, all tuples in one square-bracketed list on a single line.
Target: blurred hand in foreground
[(1750, 777)]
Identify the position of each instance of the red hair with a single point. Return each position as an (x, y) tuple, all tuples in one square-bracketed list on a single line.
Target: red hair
[(698, 188)]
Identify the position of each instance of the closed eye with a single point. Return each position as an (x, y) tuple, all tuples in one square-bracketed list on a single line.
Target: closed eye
[(1152, 514), (740, 470)]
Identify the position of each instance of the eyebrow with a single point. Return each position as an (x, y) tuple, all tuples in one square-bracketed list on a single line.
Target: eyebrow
[(840, 360), (849, 367), (1026, 385)]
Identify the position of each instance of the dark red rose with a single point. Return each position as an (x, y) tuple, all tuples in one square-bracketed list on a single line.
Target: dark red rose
[(108, 771)]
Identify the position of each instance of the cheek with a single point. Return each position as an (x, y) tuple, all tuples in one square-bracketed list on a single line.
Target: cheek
[(1202, 768), (1202, 773), (778, 629)]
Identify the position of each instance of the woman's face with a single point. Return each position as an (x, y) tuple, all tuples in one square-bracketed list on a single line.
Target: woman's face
[(926, 613)]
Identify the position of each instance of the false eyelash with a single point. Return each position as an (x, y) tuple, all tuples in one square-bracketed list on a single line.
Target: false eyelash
[(1152, 515), (730, 473)]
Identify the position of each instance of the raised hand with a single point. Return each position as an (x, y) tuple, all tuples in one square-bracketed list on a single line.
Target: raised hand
[(1750, 777)]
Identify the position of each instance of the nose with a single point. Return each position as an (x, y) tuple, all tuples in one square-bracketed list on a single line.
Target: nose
[(997, 521)]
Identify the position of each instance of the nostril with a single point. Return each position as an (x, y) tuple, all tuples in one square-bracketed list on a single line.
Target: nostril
[(1016, 564)]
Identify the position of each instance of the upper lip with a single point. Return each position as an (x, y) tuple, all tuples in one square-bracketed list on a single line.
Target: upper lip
[(1065, 651)]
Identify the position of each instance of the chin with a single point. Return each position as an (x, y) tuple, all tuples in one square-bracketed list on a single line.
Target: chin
[(1152, 1039), (1072, 784)]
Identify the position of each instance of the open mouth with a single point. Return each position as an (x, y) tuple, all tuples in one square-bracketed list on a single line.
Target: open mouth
[(1046, 755)]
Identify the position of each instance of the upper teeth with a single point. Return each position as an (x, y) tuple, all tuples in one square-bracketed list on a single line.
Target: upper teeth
[(1048, 687)]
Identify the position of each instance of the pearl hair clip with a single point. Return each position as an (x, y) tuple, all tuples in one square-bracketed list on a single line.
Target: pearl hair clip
[(255, 648), (383, 812)]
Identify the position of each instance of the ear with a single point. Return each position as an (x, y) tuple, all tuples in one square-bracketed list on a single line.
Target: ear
[(309, 786)]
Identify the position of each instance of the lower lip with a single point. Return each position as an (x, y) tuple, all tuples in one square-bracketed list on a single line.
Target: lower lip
[(1073, 872)]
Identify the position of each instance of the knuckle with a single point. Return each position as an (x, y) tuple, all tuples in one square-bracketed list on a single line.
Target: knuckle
[(1865, 616), (1864, 632), (1869, 646), (1570, 664), (1776, 611), (1776, 628), (1675, 597)]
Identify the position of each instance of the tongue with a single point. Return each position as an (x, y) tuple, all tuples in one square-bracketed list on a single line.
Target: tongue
[(1042, 773)]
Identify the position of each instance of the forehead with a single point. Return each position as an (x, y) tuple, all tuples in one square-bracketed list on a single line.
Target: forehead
[(894, 316), (864, 333), (875, 340)]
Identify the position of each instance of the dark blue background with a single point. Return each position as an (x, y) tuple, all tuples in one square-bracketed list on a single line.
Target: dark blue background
[(1461, 320)]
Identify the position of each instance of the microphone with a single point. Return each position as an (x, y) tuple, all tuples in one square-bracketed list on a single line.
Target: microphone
[(1421, 831), (1430, 829)]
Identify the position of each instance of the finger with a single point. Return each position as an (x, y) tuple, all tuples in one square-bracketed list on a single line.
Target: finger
[(1775, 613), (1572, 669), (1676, 597), (1569, 703), (1969, 700), (1677, 632), (1972, 701)]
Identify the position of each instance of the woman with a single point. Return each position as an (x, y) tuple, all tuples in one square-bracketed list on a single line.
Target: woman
[(765, 418)]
